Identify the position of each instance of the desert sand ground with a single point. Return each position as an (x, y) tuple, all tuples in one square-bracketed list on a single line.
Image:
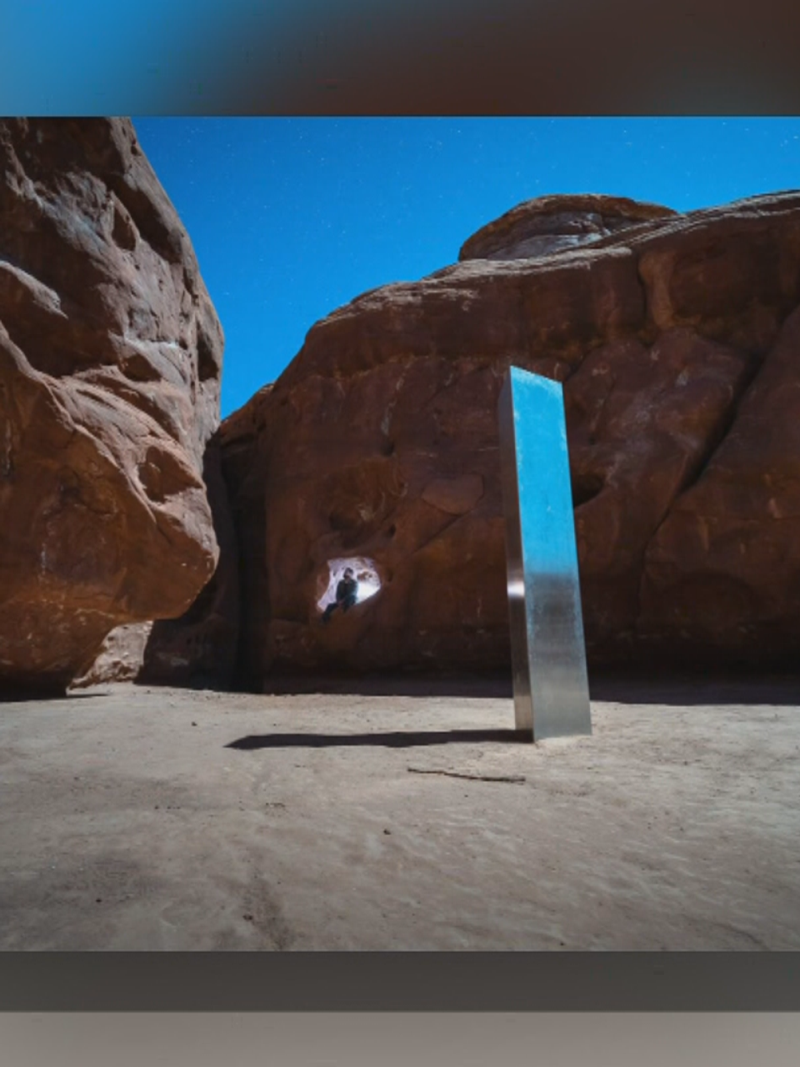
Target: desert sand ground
[(149, 818)]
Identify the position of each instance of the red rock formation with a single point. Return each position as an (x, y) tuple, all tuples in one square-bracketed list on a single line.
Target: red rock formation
[(550, 224), (198, 648), (675, 339), (110, 358), (723, 568)]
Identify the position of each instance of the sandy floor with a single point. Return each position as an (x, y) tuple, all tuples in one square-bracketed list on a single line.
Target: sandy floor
[(130, 819)]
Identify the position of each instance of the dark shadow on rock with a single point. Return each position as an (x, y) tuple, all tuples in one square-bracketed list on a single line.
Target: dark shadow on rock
[(27, 694), (700, 690), (245, 441), (391, 739), (198, 650), (675, 689), (30, 695)]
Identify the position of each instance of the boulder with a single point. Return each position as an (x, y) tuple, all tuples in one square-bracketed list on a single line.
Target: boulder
[(199, 648), (553, 223), (676, 339), (110, 361)]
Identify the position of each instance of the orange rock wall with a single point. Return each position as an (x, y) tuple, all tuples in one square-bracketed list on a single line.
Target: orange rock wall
[(678, 344), (110, 361)]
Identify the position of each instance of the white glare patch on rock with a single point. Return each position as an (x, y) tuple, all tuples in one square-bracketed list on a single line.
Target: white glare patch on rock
[(364, 572)]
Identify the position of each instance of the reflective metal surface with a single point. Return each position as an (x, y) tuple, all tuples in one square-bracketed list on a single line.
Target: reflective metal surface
[(551, 690)]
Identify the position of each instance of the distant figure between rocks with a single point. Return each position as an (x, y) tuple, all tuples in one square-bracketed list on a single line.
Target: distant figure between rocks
[(346, 595)]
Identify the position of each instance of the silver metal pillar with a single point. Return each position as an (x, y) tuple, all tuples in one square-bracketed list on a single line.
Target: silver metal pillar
[(551, 689)]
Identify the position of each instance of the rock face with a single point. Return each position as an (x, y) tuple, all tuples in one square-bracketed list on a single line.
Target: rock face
[(550, 224), (677, 338), (197, 649), (110, 359)]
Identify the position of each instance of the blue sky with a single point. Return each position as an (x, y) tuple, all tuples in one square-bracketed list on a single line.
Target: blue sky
[(293, 217)]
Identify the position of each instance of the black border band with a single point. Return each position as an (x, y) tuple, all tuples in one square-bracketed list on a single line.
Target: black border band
[(413, 981)]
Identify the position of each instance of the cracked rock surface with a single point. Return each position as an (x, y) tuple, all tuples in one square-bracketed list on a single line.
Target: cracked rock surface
[(110, 361), (677, 338)]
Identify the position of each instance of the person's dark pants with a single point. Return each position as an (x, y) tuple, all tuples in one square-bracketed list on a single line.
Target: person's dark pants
[(344, 604)]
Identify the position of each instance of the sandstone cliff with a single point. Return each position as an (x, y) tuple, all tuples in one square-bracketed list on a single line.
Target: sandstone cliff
[(677, 338), (110, 360)]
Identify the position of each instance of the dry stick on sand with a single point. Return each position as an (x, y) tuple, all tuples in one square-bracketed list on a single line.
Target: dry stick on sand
[(514, 778)]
